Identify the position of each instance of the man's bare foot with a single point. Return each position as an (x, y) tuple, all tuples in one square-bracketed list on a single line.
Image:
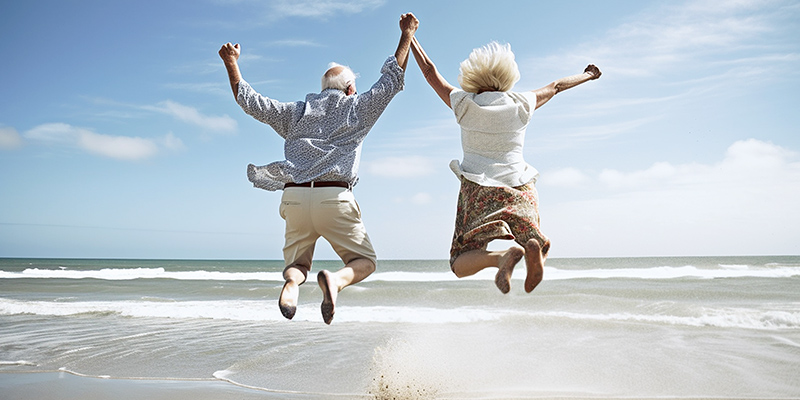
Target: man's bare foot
[(534, 261), (329, 293), (288, 299), (506, 266)]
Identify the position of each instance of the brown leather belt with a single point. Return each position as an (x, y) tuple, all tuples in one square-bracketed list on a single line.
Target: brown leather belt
[(318, 184)]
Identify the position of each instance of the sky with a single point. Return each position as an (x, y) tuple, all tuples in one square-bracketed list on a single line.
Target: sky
[(120, 136)]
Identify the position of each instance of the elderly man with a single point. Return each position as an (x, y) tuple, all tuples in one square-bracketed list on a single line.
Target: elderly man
[(323, 137)]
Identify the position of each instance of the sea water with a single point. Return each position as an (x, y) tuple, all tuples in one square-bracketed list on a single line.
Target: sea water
[(721, 327)]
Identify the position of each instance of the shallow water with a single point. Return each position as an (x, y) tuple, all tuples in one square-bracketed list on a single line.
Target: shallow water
[(627, 327)]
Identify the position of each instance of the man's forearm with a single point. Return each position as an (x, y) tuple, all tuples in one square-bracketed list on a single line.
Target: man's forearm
[(401, 54), (234, 76), (408, 25)]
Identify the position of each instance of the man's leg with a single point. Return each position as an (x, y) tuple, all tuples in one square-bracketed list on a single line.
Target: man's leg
[(332, 283), (295, 275), (338, 220), (472, 262), (299, 247)]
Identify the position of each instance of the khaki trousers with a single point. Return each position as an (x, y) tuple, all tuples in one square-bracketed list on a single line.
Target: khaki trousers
[(330, 212)]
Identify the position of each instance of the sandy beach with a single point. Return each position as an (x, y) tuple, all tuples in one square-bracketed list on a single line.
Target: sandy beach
[(67, 386)]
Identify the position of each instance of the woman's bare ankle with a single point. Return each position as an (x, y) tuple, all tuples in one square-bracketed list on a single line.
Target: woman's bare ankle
[(534, 262)]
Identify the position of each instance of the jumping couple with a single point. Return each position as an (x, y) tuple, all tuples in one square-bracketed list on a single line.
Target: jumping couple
[(323, 138)]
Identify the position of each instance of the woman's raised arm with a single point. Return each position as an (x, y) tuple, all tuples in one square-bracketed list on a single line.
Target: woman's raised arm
[(544, 94), (434, 78)]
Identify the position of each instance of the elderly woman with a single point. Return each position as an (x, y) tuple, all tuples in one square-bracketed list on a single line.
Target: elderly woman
[(498, 199)]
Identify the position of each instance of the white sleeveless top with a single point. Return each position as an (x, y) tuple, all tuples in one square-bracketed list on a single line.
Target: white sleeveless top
[(493, 128)]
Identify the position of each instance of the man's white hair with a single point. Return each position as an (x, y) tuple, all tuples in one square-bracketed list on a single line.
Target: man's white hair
[(489, 68), (340, 81)]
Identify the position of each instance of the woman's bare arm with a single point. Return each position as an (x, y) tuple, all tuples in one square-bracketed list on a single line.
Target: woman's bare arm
[(434, 78), (544, 94)]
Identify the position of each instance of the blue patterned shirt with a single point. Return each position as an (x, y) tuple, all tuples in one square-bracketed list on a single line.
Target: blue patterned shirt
[(323, 134)]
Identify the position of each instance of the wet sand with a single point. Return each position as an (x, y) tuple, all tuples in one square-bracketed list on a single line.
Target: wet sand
[(66, 386)]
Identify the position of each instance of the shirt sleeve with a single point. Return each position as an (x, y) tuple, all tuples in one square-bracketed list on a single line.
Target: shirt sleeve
[(459, 102), (390, 83), (527, 103), (271, 112), (530, 96)]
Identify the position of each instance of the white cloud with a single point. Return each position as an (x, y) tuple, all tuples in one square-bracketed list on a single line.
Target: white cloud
[(400, 167), (421, 198), (295, 43), (441, 135), (752, 161), (322, 8), (9, 138), (191, 115), (671, 57), (566, 177), (658, 173), (56, 133), (214, 88), (116, 147), (673, 38), (568, 135), (181, 112), (674, 35), (172, 142), (746, 201), (246, 57)]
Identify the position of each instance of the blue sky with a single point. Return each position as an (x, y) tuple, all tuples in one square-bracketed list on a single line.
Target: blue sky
[(120, 138)]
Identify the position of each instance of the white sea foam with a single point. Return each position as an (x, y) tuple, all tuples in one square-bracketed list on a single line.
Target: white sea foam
[(222, 374), (671, 273), (551, 273), (116, 274), (721, 318), (17, 363), (402, 276), (734, 266), (242, 310), (250, 310)]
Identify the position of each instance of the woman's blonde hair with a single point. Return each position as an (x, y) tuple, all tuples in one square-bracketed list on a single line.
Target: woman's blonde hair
[(489, 68)]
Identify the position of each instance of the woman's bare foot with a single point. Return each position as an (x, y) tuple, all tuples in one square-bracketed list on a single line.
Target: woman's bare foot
[(534, 261), (287, 302), (506, 266), (329, 292)]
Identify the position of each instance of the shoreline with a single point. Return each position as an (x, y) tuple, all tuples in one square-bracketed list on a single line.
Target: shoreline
[(69, 385)]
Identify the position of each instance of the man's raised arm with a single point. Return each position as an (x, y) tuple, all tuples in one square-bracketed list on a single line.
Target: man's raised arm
[(408, 25), (230, 56)]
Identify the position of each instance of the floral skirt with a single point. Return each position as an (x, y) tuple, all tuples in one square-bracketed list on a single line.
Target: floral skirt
[(486, 213)]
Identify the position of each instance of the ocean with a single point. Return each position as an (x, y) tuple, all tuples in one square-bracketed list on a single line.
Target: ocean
[(674, 327)]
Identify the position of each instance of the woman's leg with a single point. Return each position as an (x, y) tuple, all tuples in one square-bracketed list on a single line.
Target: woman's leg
[(473, 261), (535, 255)]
